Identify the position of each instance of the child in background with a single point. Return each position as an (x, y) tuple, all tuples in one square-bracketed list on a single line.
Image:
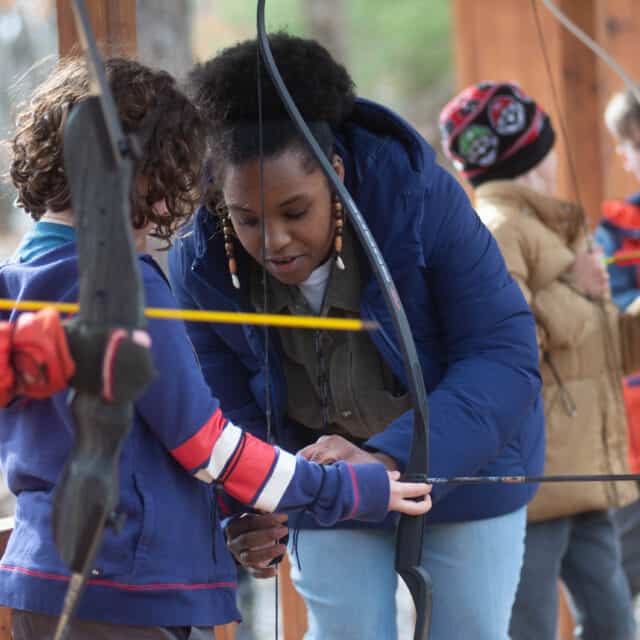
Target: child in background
[(619, 235), (501, 141)]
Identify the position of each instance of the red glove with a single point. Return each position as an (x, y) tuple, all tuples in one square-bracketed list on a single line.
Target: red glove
[(35, 360)]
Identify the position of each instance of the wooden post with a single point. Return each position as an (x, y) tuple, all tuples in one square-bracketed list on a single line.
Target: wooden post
[(113, 23), (224, 632), (566, 623), (294, 611), (576, 80)]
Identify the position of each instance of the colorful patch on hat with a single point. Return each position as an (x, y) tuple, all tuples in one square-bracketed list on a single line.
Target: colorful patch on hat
[(507, 115), (478, 145), (469, 106), (446, 128), (519, 93)]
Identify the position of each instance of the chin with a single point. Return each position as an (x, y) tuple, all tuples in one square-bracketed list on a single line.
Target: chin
[(291, 279), (292, 276)]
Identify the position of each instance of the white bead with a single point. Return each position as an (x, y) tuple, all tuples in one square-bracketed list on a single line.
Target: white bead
[(340, 263), (235, 280)]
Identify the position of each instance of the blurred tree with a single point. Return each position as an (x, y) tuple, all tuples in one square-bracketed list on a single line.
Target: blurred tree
[(28, 44), (164, 34), (397, 52), (406, 40), (328, 22)]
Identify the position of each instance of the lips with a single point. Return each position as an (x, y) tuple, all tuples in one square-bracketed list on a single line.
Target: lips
[(285, 263)]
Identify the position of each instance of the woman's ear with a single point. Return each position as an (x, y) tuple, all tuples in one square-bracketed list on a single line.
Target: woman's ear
[(338, 166)]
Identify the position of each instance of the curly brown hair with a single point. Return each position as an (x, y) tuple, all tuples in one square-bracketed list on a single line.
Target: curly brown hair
[(172, 160)]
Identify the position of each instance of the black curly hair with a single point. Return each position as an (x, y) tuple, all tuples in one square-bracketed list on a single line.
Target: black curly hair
[(225, 90)]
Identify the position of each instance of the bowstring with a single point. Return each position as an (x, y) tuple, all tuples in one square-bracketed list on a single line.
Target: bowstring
[(263, 251), (614, 365), (563, 129)]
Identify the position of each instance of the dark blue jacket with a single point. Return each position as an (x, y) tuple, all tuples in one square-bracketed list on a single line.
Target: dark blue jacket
[(474, 332), (169, 565)]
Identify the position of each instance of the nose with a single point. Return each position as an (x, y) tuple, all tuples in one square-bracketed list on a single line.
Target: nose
[(277, 237)]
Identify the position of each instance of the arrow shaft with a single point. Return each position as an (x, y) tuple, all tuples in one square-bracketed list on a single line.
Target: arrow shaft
[(613, 477), (621, 257), (221, 317)]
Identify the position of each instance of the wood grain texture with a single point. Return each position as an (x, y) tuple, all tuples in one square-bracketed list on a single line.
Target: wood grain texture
[(113, 22)]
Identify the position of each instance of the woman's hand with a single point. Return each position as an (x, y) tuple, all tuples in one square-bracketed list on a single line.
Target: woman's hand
[(589, 273), (401, 494), (254, 541), (330, 449)]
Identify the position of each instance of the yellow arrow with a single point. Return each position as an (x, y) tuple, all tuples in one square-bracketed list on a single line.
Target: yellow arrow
[(222, 317), (621, 257)]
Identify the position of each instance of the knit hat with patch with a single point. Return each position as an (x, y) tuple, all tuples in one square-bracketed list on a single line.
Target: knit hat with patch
[(494, 131)]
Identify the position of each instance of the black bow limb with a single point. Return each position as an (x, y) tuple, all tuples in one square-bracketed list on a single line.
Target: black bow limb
[(99, 164), (410, 530)]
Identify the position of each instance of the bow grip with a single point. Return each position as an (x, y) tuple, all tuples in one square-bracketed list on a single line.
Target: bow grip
[(87, 492), (408, 566)]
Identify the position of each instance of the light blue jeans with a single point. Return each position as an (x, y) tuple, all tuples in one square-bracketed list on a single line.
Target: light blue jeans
[(348, 581)]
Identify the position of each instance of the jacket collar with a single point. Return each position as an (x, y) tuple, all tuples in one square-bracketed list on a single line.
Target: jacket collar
[(564, 218)]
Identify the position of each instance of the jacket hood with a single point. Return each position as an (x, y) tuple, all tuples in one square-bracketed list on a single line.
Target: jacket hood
[(379, 121), (564, 218)]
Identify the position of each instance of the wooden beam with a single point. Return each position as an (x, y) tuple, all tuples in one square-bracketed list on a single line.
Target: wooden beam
[(113, 22), (576, 80), (566, 623), (224, 632), (294, 611)]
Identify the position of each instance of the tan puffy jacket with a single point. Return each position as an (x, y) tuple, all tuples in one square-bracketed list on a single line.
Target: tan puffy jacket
[(582, 362)]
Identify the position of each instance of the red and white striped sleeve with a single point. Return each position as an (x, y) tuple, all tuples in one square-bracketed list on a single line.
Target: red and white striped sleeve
[(267, 478), (251, 470)]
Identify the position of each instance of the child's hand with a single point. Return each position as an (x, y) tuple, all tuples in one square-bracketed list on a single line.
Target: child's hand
[(401, 494), (589, 273)]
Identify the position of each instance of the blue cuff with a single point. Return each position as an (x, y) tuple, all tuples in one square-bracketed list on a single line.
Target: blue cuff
[(371, 492)]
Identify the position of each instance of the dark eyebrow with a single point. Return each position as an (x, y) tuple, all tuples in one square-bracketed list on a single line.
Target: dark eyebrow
[(294, 198), (284, 203), (239, 207)]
